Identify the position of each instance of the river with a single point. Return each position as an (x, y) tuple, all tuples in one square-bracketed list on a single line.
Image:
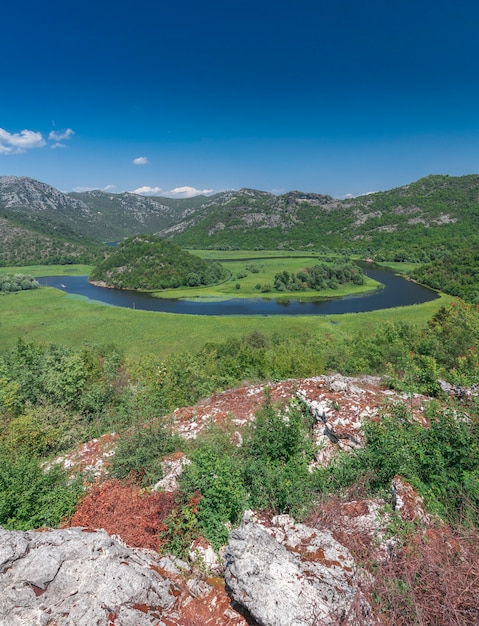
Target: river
[(397, 291)]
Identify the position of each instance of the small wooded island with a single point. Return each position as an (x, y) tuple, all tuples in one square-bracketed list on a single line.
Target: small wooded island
[(147, 262)]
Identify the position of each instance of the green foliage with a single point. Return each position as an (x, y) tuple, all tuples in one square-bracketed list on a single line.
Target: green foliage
[(182, 527), (268, 471), (455, 272), (33, 373), (276, 452), (30, 239), (148, 262), (31, 497), (17, 282), (215, 473), (40, 431), (319, 277), (142, 452), (441, 461), (417, 222)]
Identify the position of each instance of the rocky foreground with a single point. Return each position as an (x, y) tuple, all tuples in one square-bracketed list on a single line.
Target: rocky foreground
[(272, 572)]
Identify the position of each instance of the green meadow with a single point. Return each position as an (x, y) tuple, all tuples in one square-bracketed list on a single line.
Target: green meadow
[(400, 268), (49, 270), (50, 315), (252, 275)]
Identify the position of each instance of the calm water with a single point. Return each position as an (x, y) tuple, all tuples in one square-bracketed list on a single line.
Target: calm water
[(396, 292)]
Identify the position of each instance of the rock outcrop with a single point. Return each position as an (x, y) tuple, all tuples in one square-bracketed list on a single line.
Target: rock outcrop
[(293, 575), (77, 578)]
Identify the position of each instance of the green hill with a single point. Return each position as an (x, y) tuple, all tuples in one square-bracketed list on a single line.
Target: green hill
[(436, 212), (26, 246), (148, 262)]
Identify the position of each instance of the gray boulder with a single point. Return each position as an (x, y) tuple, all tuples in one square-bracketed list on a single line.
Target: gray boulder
[(71, 577), (290, 575)]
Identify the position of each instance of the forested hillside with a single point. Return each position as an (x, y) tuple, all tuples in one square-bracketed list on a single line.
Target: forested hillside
[(26, 246), (148, 262), (456, 273), (417, 222)]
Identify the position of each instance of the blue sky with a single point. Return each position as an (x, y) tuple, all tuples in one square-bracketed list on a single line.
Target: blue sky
[(169, 97)]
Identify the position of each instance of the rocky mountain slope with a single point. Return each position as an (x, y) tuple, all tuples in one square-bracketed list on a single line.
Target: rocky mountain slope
[(91, 215), (38, 224), (433, 213), (124, 214)]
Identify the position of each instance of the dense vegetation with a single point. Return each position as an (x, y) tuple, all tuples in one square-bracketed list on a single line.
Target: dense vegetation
[(417, 221), (17, 282), (148, 262), (455, 272), (23, 244), (322, 276), (52, 398)]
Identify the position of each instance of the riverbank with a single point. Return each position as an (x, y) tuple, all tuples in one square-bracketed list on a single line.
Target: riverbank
[(53, 316)]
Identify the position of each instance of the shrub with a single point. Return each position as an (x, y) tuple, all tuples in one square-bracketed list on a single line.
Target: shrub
[(269, 471), (31, 497), (215, 473), (440, 461), (142, 451), (276, 451)]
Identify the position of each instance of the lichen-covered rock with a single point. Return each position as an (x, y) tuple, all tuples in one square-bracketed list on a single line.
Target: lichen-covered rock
[(408, 503), (293, 575), (172, 468), (71, 577)]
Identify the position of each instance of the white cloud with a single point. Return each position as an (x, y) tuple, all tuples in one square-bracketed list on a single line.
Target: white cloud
[(81, 189), (140, 161), (147, 191), (186, 192), (177, 192), (349, 196), (60, 136), (14, 143)]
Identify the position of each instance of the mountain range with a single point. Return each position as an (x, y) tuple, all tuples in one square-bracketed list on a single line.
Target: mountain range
[(39, 223)]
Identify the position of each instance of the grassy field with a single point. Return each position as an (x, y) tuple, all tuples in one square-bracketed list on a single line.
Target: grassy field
[(400, 268), (260, 272), (49, 270), (51, 315)]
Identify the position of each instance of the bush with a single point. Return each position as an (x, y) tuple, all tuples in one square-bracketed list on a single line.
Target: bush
[(276, 451), (269, 471), (41, 430), (31, 497), (441, 461), (215, 473), (142, 451)]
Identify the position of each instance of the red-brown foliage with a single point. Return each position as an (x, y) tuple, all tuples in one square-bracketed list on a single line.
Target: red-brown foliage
[(430, 578), (122, 509)]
